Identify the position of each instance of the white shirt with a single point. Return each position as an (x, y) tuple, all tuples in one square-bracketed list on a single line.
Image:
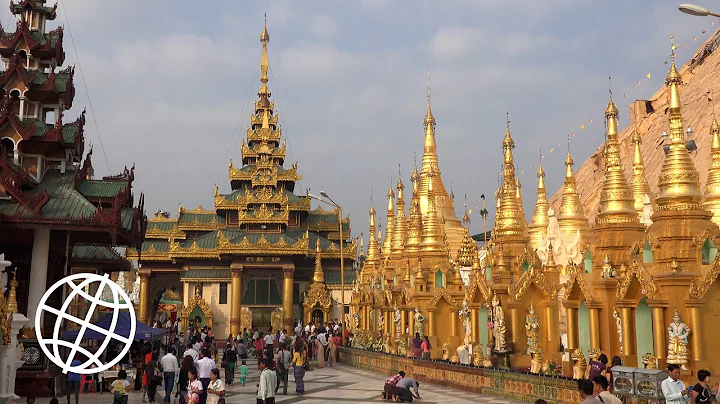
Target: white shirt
[(672, 390), (269, 340), (204, 366), (195, 355), (197, 346), (281, 339), (609, 398), (268, 382), (169, 363), (256, 335), (312, 329), (322, 338)]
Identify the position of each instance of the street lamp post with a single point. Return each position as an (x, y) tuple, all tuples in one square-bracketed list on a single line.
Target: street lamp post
[(692, 9), (342, 252)]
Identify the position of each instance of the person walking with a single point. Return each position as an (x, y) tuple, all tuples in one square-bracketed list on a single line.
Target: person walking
[(182, 384), (426, 347), (243, 373), (169, 365), (154, 378), (417, 347), (283, 364), (332, 351), (216, 389), (298, 360), (204, 366), (73, 382), (119, 388), (229, 359), (268, 382)]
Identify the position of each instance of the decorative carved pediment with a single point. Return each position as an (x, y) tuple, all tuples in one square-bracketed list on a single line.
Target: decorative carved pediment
[(700, 285), (442, 293), (197, 301), (577, 278), (647, 283), (517, 291)]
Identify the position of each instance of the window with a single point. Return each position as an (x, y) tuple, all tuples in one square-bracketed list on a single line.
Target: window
[(647, 253), (588, 262), (709, 251), (439, 279), (223, 292)]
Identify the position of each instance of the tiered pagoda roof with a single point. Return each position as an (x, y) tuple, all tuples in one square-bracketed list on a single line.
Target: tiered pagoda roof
[(42, 180), (261, 214)]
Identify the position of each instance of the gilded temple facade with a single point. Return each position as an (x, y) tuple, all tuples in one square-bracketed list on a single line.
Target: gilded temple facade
[(639, 281), (252, 260)]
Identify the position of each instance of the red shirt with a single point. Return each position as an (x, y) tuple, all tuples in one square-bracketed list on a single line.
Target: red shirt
[(394, 380)]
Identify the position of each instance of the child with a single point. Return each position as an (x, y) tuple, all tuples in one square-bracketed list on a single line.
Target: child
[(243, 373), (144, 388), (119, 388), (195, 387)]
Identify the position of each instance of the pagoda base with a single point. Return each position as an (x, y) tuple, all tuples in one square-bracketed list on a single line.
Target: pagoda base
[(510, 384)]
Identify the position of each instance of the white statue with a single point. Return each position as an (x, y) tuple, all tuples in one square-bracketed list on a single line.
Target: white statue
[(466, 320), (135, 294), (398, 320), (647, 212), (618, 324), (678, 333), (564, 247), (497, 324), (419, 318)]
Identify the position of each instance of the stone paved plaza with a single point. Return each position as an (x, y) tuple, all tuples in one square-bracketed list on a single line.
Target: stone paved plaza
[(343, 384)]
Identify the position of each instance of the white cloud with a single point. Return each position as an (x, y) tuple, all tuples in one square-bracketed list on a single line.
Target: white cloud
[(324, 27)]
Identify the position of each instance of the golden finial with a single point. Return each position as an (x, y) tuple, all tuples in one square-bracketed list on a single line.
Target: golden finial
[(468, 251), (679, 180), (318, 275), (466, 216), (373, 255), (639, 182), (540, 219), (616, 197), (510, 219), (387, 243), (401, 225), (414, 228), (12, 304), (217, 190), (264, 92), (432, 237), (571, 217), (550, 258), (712, 186), (429, 118)]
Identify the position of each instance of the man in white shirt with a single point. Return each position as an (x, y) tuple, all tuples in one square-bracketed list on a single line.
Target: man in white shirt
[(169, 365), (204, 365), (192, 352), (269, 343), (268, 382), (600, 388), (282, 336), (673, 388), (307, 329)]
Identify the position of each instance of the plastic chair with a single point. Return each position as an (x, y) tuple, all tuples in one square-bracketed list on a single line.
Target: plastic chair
[(85, 382)]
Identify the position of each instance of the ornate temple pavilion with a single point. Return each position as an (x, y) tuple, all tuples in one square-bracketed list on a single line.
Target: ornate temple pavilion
[(250, 261)]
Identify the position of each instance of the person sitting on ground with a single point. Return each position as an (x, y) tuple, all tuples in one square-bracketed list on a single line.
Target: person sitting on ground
[(601, 385), (390, 385)]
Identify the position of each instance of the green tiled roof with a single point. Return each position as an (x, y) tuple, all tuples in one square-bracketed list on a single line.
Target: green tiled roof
[(101, 188), (160, 245), (61, 80), (333, 277), (206, 274), (292, 198), (91, 252), (69, 130), (162, 226), (65, 201), (186, 217), (126, 216), (316, 217), (42, 37)]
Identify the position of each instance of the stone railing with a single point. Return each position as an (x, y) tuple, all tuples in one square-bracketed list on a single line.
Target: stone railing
[(506, 384)]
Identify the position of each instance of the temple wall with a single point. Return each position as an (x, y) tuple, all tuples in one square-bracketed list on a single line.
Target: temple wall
[(516, 386)]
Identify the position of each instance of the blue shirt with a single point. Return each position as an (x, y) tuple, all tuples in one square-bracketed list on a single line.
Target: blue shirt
[(74, 377)]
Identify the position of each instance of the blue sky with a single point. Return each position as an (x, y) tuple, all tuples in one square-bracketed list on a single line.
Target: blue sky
[(171, 84)]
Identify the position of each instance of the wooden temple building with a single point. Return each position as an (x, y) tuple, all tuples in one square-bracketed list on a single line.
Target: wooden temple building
[(253, 260), (647, 261), (55, 218)]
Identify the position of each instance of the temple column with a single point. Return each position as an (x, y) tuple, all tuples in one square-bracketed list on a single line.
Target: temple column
[(475, 324), (514, 323), (658, 330), (365, 318), (695, 341), (430, 331), (571, 308), (453, 324), (37, 284), (628, 329), (144, 297), (594, 320), (551, 325), (411, 323), (403, 321), (288, 280), (235, 302)]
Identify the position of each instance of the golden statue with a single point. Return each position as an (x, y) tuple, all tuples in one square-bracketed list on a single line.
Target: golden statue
[(446, 351), (419, 318), (579, 365), (536, 363), (677, 342), (649, 361), (478, 357), (497, 324), (276, 319), (198, 289), (532, 329), (387, 344), (402, 345)]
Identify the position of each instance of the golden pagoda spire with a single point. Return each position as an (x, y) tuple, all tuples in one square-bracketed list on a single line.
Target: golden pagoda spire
[(466, 216), (373, 253), (264, 92), (639, 183), (414, 229), (468, 251), (616, 197), (571, 217), (538, 226), (510, 218), (432, 234), (12, 304), (387, 244), (430, 167), (712, 186), (679, 180), (401, 225), (318, 275)]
